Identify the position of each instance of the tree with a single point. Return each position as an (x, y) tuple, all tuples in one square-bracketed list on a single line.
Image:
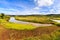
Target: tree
[(2, 15)]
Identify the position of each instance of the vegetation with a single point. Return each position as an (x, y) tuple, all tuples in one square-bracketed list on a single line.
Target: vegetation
[(41, 33), (3, 16), (36, 19), (46, 19), (15, 31), (57, 24), (53, 36), (11, 25)]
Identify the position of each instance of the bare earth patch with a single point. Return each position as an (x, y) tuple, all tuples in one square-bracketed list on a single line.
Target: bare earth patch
[(10, 34)]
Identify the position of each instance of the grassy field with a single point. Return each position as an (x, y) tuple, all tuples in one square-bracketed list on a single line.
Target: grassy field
[(53, 36), (15, 31), (41, 33), (11, 25), (37, 19)]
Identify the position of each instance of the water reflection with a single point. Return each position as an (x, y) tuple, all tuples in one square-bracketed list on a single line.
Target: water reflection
[(58, 21), (12, 19)]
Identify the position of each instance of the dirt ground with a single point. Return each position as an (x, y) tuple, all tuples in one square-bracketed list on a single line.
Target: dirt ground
[(10, 34)]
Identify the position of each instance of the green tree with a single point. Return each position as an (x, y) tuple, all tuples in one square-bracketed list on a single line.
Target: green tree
[(2, 15)]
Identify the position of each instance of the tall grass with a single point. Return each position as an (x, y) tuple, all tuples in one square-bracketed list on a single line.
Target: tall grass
[(53, 36), (42, 19)]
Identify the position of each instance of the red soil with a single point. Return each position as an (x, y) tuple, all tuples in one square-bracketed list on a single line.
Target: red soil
[(9, 34)]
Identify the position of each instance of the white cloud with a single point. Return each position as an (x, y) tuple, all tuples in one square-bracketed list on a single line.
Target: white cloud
[(44, 2), (10, 11), (41, 3), (36, 8)]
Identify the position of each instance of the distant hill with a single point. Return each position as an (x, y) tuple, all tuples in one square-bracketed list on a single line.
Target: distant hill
[(58, 15)]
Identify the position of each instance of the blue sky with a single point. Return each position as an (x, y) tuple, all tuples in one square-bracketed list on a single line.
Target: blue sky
[(27, 7)]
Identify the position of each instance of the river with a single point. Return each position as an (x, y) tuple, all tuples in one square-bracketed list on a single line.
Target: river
[(12, 19)]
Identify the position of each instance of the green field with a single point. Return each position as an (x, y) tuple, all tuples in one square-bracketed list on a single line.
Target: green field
[(12, 25), (38, 19), (43, 19), (15, 31)]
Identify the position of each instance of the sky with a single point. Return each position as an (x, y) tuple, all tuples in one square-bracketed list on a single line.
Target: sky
[(28, 7)]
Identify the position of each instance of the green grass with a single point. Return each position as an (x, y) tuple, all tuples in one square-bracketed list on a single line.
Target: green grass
[(11, 25), (56, 23), (19, 26), (36, 19)]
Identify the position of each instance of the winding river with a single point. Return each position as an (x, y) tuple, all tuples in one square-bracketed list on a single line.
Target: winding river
[(12, 19)]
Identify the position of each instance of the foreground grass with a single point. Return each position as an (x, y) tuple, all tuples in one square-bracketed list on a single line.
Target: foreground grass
[(19, 26), (53, 36), (11, 25), (41, 33)]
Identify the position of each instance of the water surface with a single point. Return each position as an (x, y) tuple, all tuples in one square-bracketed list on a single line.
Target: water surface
[(12, 19)]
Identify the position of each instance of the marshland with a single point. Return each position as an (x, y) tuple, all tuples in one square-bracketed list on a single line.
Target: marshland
[(29, 27)]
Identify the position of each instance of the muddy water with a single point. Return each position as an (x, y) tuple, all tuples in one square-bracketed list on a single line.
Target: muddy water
[(12, 19)]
